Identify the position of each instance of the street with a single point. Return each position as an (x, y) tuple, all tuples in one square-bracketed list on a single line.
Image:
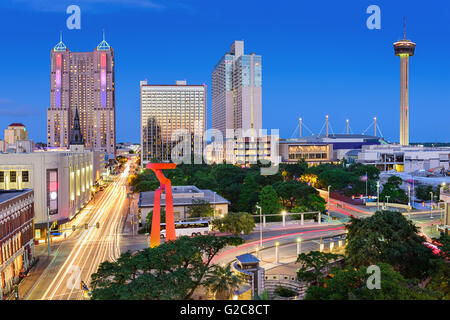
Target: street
[(77, 258)]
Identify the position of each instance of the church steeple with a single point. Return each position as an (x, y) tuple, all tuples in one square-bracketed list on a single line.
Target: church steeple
[(77, 137)]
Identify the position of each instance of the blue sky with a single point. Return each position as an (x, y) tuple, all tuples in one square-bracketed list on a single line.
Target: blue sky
[(319, 58)]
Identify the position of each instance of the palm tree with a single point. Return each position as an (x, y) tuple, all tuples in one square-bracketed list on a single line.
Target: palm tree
[(221, 281)]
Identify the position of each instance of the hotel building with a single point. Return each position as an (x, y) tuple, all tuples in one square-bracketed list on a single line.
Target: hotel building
[(83, 81), (237, 91), (166, 109)]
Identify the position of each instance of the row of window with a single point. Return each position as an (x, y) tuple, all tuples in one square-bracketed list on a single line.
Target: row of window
[(13, 176)]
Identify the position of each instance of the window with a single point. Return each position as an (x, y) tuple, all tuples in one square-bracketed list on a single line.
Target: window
[(25, 177), (12, 176), (2, 176)]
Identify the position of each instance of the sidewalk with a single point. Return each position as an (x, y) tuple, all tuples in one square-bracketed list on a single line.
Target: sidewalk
[(33, 275)]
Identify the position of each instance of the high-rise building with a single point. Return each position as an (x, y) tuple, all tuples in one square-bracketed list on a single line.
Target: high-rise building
[(82, 81), (404, 49), (236, 91), (165, 109)]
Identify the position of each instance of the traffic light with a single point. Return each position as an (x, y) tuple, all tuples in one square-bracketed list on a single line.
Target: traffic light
[(98, 225)]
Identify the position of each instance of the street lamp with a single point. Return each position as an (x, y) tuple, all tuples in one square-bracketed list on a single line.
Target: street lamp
[(442, 211), (431, 204), (378, 195), (277, 256), (328, 204), (299, 245), (409, 201), (387, 200), (260, 225), (283, 213)]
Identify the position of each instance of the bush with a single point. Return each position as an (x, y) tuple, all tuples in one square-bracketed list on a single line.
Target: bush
[(285, 292)]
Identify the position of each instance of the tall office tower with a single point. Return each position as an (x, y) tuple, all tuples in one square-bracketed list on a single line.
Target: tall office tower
[(236, 91), (165, 109), (404, 49), (83, 81)]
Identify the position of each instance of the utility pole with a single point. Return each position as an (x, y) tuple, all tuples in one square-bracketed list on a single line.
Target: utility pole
[(326, 120), (347, 125), (431, 204), (328, 203), (367, 178), (378, 195), (48, 230), (260, 225), (300, 127)]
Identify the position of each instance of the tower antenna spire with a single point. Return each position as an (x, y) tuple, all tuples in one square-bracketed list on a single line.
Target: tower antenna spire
[(103, 30), (60, 35)]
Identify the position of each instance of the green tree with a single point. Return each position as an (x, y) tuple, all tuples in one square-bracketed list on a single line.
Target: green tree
[(390, 238), (171, 271), (236, 223), (313, 264), (201, 208), (392, 189), (148, 219), (269, 201), (350, 283), (423, 192), (222, 281), (249, 194)]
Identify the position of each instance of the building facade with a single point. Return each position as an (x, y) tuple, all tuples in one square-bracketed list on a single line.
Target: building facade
[(183, 198), (16, 236), (312, 153), (405, 158), (61, 181), (15, 132), (237, 91), (82, 81), (167, 109)]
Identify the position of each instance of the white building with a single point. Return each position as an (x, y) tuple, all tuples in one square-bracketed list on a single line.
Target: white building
[(166, 110), (237, 91), (61, 181), (183, 198), (405, 158)]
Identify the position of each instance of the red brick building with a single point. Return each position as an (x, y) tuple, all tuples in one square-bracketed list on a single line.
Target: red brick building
[(16, 236)]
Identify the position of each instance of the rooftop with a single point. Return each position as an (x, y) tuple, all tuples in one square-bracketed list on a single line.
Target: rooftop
[(247, 258), (16, 124), (6, 195), (182, 196)]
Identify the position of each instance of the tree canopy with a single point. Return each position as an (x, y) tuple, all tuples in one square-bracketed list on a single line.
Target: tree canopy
[(389, 237), (171, 271), (236, 223)]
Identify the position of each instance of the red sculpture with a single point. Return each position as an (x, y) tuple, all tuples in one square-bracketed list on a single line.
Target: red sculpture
[(165, 185)]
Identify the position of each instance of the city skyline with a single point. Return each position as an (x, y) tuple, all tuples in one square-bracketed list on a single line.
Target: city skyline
[(359, 85)]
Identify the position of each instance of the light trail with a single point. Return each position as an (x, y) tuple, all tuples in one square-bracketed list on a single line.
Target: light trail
[(94, 245), (249, 244)]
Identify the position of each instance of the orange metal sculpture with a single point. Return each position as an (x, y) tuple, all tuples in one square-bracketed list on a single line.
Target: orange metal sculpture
[(165, 185)]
